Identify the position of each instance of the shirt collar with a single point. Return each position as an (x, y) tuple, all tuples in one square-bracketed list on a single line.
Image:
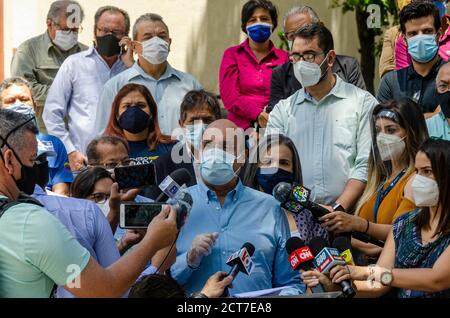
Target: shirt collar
[(38, 191), (338, 91), (245, 46), (136, 71), (434, 70), (208, 195)]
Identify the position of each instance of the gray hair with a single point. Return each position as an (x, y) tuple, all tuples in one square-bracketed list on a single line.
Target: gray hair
[(301, 9), (9, 120), (112, 9), (60, 8), (7, 83), (153, 17)]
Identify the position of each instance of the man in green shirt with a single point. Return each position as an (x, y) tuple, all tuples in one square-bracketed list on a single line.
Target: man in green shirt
[(37, 251), (39, 59)]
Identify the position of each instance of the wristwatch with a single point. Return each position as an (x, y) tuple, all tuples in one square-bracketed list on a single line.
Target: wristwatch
[(198, 295), (338, 207), (386, 278)]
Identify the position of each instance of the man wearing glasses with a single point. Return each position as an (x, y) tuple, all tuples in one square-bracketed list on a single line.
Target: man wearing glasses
[(76, 90), (328, 120), (39, 59), (284, 83)]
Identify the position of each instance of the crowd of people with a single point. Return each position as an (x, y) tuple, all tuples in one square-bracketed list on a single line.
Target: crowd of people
[(70, 115)]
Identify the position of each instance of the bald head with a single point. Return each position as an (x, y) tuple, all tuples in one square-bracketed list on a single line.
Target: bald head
[(443, 79), (225, 135)]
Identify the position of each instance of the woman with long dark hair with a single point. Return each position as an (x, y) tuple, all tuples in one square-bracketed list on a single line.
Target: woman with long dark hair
[(416, 257), (134, 117)]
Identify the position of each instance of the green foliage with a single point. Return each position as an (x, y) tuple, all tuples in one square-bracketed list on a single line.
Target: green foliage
[(282, 42)]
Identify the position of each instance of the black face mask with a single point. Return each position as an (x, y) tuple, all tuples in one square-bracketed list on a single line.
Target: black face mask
[(444, 102), (42, 174), (108, 45), (28, 175)]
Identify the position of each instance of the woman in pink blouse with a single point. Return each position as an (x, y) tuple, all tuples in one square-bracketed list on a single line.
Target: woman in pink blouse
[(246, 69)]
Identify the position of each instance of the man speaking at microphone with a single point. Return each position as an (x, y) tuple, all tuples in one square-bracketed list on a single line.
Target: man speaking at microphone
[(225, 215)]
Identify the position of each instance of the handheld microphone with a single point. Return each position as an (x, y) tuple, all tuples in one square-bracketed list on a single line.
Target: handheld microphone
[(173, 183), (296, 197), (182, 203), (241, 261), (344, 246), (326, 259), (301, 257)]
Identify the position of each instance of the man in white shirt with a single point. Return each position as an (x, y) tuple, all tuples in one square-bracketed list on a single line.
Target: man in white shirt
[(76, 90), (328, 120)]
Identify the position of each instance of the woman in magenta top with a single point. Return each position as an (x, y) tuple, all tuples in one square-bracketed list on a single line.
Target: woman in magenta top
[(246, 69)]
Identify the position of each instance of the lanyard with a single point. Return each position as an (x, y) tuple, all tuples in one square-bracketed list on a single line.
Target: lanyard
[(383, 193)]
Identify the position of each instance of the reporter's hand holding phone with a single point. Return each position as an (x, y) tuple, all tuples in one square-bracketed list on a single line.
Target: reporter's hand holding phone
[(201, 247), (127, 55), (115, 199), (162, 231)]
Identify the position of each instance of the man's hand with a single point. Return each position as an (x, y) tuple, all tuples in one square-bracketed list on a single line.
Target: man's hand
[(127, 56), (162, 231), (117, 197), (77, 161), (201, 247), (216, 284), (132, 237), (263, 119)]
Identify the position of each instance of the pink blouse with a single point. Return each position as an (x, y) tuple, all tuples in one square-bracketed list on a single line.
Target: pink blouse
[(245, 83)]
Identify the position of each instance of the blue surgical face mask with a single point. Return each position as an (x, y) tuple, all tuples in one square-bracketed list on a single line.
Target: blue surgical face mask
[(134, 120), (22, 109), (260, 32), (194, 134), (216, 166), (268, 178), (423, 47)]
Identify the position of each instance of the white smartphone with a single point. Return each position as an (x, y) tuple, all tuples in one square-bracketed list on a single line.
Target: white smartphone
[(138, 215)]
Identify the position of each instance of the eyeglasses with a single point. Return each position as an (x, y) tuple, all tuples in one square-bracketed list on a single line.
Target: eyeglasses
[(75, 30), (117, 33), (99, 198), (113, 165), (308, 57)]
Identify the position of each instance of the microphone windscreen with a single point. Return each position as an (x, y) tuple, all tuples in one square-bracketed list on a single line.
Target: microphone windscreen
[(181, 176), (294, 243), (317, 244), (342, 243), (250, 248), (282, 191)]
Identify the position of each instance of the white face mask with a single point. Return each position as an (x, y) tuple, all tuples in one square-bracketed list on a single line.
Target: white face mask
[(65, 40), (155, 50), (308, 74), (391, 147), (425, 192), (104, 207), (290, 45)]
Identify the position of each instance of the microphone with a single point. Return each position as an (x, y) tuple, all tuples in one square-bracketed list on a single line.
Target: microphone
[(182, 203), (326, 259), (296, 197), (241, 261), (173, 183), (344, 246), (301, 257)]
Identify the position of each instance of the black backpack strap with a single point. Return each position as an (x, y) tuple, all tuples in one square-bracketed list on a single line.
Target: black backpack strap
[(5, 204)]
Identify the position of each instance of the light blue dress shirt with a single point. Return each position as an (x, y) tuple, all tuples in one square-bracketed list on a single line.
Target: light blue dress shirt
[(439, 127), (247, 216), (89, 226), (168, 93), (75, 94), (332, 136)]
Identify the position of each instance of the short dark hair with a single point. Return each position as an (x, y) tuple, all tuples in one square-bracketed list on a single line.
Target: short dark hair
[(249, 8), (153, 17), (198, 99), (92, 151), (84, 184), (112, 9), (417, 10), (319, 30), (59, 8), (157, 287), (438, 152), (16, 80)]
